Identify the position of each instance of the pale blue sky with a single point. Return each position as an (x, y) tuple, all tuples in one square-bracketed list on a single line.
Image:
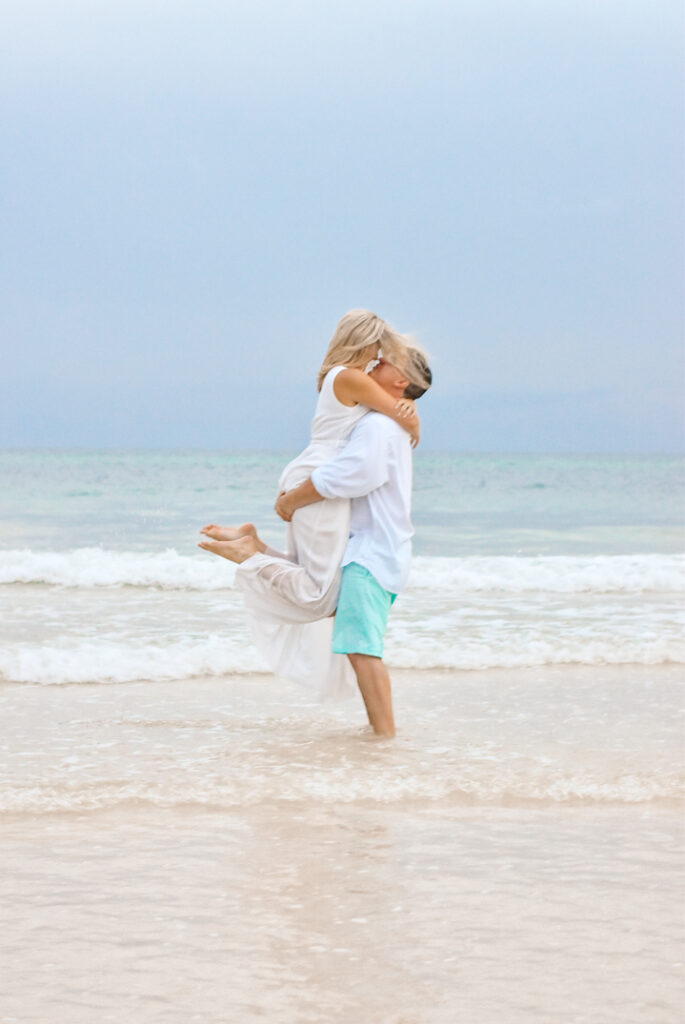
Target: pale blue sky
[(193, 193)]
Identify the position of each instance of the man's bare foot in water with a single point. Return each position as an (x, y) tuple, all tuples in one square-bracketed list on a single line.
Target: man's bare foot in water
[(234, 550), (229, 532)]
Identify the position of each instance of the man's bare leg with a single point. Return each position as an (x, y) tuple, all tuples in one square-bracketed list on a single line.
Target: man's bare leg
[(374, 683)]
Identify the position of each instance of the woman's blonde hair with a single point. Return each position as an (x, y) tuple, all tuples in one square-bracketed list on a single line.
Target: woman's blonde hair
[(358, 338)]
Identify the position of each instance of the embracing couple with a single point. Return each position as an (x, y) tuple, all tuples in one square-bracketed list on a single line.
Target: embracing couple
[(318, 612)]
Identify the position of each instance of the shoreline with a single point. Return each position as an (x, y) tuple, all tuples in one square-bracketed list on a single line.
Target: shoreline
[(526, 738)]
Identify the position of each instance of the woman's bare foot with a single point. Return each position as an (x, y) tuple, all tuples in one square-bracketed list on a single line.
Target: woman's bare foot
[(234, 550), (229, 532)]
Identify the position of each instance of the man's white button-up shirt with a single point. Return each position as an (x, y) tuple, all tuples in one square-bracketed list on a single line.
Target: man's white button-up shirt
[(374, 469)]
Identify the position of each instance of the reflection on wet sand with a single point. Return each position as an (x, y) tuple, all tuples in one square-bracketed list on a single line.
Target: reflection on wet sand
[(220, 850)]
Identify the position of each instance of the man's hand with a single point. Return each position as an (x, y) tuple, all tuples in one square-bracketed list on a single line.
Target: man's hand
[(283, 508), (288, 502)]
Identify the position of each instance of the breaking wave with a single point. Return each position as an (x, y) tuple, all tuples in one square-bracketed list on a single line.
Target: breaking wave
[(560, 574)]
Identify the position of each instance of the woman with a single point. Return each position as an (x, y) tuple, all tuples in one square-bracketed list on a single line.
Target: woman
[(289, 597)]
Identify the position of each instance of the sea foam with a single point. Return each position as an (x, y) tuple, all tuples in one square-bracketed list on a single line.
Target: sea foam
[(100, 567), (123, 662), (470, 783)]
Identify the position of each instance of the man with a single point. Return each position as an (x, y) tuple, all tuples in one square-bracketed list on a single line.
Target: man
[(374, 469)]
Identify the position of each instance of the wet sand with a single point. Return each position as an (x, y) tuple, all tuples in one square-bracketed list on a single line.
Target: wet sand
[(224, 851), (346, 914)]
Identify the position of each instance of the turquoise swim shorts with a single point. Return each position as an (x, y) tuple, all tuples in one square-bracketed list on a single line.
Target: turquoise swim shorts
[(362, 613)]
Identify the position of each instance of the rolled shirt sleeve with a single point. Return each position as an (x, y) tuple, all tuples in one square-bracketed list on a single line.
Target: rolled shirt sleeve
[(360, 467)]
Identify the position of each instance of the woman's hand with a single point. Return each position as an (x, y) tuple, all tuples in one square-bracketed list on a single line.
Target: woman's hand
[(282, 507), (407, 415), (405, 408)]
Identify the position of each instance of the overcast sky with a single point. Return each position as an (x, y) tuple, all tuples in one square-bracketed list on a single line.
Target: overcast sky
[(194, 192)]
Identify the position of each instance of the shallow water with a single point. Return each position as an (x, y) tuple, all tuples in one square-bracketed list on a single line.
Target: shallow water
[(499, 738), (99, 616), (218, 850)]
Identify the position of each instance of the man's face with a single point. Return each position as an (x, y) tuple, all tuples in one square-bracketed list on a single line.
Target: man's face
[(391, 378)]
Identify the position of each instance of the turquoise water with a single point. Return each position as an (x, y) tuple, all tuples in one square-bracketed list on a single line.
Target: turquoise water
[(519, 561), (463, 504)]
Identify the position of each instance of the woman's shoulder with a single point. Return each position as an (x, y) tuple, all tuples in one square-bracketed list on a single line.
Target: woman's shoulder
[(333, 398), (334, 371), (329, 385), (351, 373), (343, 385)]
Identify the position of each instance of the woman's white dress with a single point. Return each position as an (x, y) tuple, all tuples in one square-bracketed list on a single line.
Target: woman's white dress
[(290, 598)]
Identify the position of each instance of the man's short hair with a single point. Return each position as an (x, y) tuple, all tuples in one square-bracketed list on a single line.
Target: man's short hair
[(418, 373)]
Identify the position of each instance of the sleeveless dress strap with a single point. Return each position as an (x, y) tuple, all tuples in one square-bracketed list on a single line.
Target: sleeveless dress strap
[(333, 373)]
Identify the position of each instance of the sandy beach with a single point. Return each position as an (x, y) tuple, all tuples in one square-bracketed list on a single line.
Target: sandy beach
[(222, 849), (185, 838)]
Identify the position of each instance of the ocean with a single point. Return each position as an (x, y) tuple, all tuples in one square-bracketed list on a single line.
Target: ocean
[(188, 838)]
